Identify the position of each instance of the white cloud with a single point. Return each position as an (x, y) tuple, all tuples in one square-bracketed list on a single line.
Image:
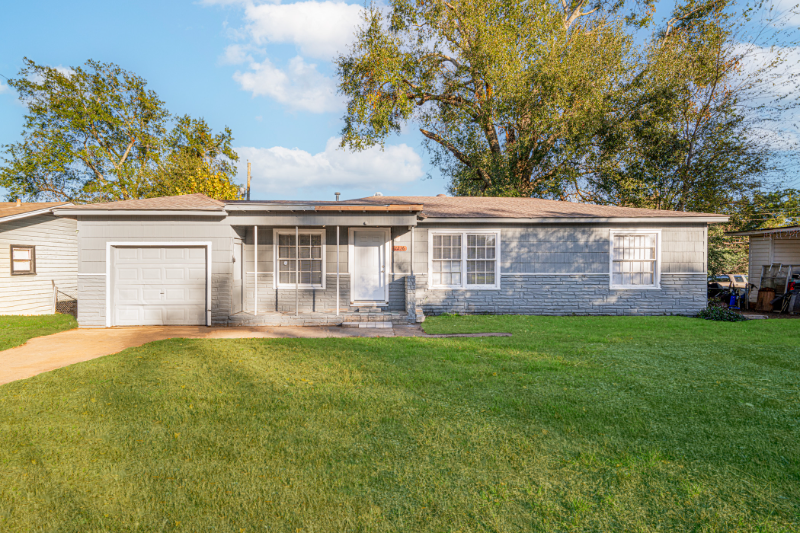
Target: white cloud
[(236, 54), (318, 29), (4, 88), (281, 170), (299, 86)]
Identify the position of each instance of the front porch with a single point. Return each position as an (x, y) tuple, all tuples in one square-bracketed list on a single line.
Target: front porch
[(372, 317)]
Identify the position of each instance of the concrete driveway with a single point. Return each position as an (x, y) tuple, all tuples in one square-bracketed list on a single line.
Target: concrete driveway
[(42, 354)]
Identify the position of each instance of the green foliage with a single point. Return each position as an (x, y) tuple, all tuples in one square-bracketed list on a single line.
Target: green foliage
[(720, 314), (507, 94), (16, 330), (96, 133), (571, 424)]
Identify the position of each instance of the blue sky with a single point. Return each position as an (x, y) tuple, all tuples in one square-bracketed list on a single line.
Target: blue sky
[(281, 105), (264, 70)]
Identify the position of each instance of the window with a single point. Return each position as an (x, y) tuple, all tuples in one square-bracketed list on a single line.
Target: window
[(464, 260), (634, 260), (446, 260), (303, 258), (23, 259)]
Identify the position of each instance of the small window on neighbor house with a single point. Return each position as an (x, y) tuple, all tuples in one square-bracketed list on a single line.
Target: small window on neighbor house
[(634, 260), (23, 259)]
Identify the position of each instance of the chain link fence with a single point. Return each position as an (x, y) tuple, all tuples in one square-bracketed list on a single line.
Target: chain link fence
[(66, 302)]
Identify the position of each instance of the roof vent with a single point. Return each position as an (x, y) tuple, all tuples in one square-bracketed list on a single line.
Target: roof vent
[(337, 195), (441, 196), (378, 194), (19, 202)]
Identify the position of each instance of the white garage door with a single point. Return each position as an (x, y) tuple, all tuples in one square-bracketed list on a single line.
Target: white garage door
[(159, 286)]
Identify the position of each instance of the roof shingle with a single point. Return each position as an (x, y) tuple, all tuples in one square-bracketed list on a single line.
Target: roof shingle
[(8, 209), (186, 202), (494, 207)]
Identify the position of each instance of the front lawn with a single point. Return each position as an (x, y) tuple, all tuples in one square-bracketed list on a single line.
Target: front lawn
[(571, 424), (16, 330)]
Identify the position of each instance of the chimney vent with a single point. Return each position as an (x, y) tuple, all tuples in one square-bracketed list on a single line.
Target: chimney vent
[(19, 202), (337, 195), (378, 194)]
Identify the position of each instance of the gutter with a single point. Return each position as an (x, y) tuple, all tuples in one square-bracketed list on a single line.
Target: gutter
[(757, 232), (138, 213), (572, 220)]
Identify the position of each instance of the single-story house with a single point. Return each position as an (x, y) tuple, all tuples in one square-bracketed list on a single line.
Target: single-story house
[(193, 260), (773, 246), (38, 259)]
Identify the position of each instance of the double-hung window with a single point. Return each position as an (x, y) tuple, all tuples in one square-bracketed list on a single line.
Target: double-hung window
[(464, 259), (300, 259), (635, 260), (23, 259)]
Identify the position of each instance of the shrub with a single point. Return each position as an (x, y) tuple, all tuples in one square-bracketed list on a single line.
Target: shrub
[(720, 314)]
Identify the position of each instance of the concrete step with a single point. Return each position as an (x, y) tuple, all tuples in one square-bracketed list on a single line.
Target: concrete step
[(366, 324)]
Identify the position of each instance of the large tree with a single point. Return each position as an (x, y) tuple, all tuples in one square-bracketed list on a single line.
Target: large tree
[(554, 99), (95, 132), (508, 93)]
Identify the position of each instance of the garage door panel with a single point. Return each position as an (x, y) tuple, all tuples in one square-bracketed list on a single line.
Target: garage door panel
[(159, 286), (150, 253)]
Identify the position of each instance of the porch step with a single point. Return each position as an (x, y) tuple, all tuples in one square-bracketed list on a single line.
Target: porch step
[(366, 324)]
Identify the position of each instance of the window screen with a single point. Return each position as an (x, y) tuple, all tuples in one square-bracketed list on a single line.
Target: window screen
[(481, 261), (446, 263), (305, 257), (634, 260)]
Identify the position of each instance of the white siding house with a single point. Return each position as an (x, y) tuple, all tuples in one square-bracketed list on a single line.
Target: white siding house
[(38, 259)]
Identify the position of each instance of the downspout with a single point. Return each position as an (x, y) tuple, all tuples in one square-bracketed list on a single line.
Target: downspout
[(337, 270), (296, 271), (412, 250), (255, 270)]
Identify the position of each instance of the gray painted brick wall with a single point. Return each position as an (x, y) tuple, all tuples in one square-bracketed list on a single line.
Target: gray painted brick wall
[(566, 294)]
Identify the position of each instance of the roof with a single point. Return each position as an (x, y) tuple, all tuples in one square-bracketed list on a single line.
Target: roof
[(496, 207), (186, 202), (463, 208), (12, 211), (766, 231)]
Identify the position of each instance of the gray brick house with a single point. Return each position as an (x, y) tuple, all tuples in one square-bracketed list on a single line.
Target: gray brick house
[(193, 260)]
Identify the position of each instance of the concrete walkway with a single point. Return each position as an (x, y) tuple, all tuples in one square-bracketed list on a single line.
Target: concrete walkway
[(42, 354)]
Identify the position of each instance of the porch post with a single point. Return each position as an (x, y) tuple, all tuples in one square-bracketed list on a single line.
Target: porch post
[(255, 270), (337, 270), (412, 250), (296, 271)]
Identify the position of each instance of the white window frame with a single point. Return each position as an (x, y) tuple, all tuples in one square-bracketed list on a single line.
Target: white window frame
[(657, 265), (464, 233), (275, 267)]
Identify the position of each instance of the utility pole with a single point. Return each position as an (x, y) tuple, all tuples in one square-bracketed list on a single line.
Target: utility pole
[(248, 181)]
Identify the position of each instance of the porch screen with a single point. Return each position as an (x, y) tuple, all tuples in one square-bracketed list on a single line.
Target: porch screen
[(634, 260), (310, 259), (446, 264)]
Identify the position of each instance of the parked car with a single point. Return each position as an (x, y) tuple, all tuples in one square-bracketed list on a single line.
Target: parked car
[(723, 283)]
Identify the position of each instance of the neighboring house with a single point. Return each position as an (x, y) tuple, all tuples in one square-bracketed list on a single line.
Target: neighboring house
[(772, 247), (189, 259), (38, 259)]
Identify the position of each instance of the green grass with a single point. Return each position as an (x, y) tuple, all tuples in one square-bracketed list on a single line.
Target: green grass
[(16, 330), (571, 424)]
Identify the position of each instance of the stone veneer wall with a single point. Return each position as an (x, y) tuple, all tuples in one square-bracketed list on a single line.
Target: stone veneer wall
[(567, 294)]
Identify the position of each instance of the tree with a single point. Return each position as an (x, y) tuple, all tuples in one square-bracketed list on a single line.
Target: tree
[(197, 161), (96, 133), (508, 93), (684, 137)]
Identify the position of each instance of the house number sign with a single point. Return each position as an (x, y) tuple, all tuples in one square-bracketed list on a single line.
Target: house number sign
[(399, 248)]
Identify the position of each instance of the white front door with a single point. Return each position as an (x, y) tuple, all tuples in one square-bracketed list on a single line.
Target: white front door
[(369, 266)]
